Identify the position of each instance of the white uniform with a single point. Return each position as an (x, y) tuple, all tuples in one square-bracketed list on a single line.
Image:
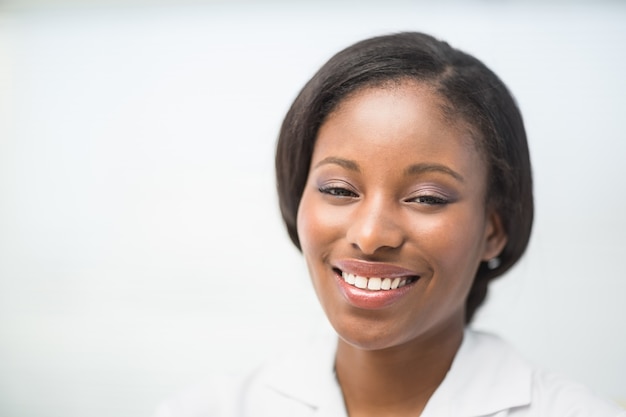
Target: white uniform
[(487, 379)]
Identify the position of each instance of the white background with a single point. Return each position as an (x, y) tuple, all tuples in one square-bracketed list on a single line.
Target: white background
[(141, 247)]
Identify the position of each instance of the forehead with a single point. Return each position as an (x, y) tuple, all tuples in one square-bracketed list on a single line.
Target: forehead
[(438, 106), (398, 126), (404, 99)]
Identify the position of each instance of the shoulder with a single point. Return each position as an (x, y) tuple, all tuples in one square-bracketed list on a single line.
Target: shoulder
[(553, 395), (295, 383), (529, 391)]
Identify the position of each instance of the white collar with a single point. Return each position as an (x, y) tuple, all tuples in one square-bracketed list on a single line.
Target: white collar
[(308, 375), (486, 376)]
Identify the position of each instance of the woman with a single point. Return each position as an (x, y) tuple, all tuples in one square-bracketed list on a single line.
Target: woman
[(404, 178)]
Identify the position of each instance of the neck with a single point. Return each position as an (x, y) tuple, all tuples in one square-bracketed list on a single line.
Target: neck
[(395, 381)]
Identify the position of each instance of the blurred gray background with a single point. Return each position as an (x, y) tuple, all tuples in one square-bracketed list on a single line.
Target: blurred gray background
[(141, 247)]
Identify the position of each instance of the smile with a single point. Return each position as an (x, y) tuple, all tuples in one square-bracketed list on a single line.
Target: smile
[(377, 283)]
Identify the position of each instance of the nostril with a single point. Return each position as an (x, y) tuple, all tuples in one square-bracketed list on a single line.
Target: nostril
[(375, 235)]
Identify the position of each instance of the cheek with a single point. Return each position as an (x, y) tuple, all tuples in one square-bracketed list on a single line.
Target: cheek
[(313, 225), (455, 240), (317, 235), (317, 224), (305, 224)]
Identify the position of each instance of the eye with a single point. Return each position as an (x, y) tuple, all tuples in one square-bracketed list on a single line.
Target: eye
[(335, 191), (431, 200)]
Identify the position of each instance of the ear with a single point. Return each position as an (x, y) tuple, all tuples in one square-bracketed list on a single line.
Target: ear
[(495, 236)]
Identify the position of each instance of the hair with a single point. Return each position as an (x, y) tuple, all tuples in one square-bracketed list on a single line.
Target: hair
[(469, 89)]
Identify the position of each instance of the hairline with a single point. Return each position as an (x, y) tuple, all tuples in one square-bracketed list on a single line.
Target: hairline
[(472, 137)]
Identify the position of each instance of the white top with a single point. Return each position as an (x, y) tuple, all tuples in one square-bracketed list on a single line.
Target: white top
[(487, 378)]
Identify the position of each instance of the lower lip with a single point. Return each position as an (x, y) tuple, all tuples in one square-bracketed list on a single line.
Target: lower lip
[(371, 300)]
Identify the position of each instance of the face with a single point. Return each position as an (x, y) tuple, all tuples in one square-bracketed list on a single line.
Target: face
[(393, 222)]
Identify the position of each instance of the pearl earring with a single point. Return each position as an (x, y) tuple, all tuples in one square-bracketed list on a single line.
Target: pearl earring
[(493, 263)]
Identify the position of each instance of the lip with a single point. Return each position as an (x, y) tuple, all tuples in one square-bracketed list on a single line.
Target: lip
[(368, 299), (373, 269)]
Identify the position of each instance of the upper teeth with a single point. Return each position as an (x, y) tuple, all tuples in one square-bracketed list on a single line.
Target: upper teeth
[(374, 283)]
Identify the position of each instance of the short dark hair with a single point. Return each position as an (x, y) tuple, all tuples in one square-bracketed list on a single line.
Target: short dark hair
[(469, 89)]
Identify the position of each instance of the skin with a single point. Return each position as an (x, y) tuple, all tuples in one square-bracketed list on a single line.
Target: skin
[(362, 204)]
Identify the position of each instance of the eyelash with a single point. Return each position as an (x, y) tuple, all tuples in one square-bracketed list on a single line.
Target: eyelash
[(341, 192), (431, 200)]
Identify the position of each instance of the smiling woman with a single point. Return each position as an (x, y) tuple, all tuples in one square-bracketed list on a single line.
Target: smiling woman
[(404, 178), (409, 209), (462, 94)]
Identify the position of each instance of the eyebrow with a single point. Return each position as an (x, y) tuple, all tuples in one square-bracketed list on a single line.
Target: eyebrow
[(415, 169), (345, 163), (422, 168)]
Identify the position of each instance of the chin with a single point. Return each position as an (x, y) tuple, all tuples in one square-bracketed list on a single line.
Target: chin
[(371, 335), (378, 333)]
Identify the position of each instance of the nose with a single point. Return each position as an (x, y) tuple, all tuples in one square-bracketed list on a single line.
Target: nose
[(375, 227)]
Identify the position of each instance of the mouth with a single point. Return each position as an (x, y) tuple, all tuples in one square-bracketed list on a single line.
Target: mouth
[(376, 283)]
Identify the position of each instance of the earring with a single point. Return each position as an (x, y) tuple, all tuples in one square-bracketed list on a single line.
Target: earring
[(493, 263)]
